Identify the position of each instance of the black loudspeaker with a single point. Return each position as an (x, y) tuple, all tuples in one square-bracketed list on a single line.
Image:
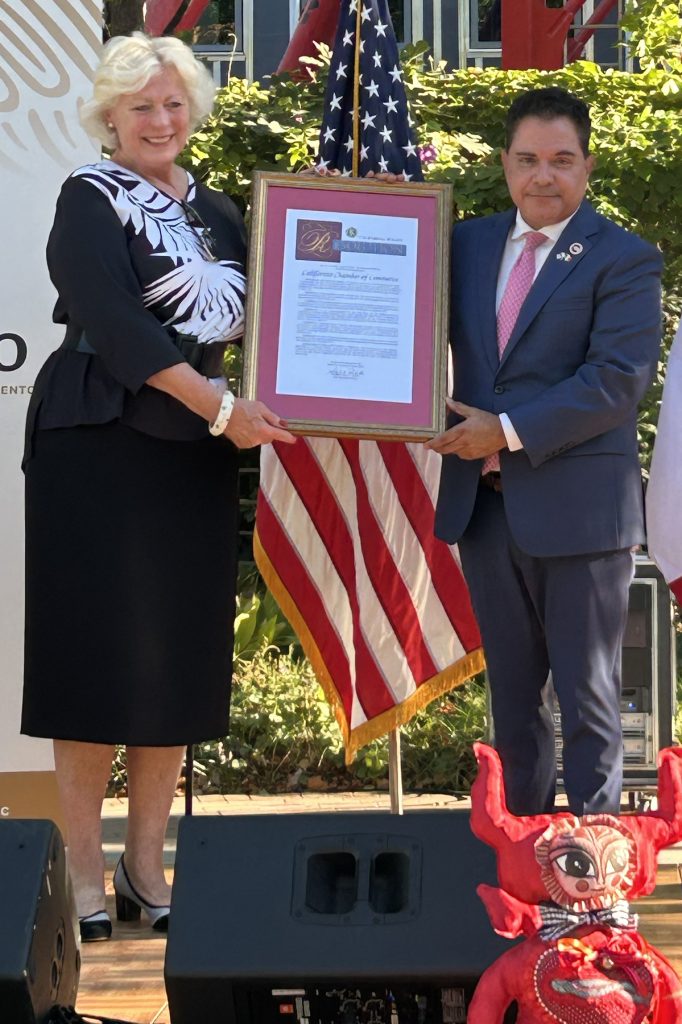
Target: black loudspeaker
[(39, 957), (328, 919)]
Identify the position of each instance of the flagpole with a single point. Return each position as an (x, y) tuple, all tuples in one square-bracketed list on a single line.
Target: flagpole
[(356, 93), (395, 774)]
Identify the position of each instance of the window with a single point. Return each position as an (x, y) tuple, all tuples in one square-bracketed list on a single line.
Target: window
[(398, 9), (480, 33), (219, 23), (485, 21), (400, 19), (218, 37)]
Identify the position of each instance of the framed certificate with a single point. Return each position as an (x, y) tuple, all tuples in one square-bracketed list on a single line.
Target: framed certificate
[(346, 322)]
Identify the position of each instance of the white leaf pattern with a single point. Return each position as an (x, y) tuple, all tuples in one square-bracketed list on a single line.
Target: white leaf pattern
[(207, 296), (199, 295)]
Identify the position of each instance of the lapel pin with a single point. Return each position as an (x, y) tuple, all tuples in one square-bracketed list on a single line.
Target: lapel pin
[(575, 248), (564, 256)]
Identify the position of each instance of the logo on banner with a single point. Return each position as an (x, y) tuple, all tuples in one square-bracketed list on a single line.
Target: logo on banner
[(18, 351), (315, 240)]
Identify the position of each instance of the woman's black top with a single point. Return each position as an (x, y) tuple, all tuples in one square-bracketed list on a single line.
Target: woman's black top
[(133, 267)]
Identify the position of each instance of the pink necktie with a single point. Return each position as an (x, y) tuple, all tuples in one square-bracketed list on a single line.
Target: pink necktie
[(516, 289)]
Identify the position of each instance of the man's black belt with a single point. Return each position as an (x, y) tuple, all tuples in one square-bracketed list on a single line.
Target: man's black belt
[(205, 359), (493, 481)]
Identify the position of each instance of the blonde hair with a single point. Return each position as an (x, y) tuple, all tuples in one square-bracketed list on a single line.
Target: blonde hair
[(128, 62)]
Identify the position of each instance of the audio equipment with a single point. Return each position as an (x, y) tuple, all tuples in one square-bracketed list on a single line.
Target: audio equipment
[(328, 919), (39, 957), (649, 678)]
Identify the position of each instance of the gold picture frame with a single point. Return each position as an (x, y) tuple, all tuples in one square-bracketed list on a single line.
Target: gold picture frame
[(347, 308)]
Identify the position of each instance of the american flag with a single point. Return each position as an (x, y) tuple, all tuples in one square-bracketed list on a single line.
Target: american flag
[(386, 138), (344, 528)]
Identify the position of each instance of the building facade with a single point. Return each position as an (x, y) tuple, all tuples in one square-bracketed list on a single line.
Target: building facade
[(248, 37)]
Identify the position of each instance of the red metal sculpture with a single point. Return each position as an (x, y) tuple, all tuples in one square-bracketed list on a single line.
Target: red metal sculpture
[(534, 35), (317, 24), (160, 15)]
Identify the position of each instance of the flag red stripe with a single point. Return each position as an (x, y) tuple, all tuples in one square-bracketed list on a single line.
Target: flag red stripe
[(446, 575), (386, 579), (313, 490), (676, 587), (292, 572)]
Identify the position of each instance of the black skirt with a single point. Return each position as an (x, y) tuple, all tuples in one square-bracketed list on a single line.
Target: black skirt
[(131, 556)]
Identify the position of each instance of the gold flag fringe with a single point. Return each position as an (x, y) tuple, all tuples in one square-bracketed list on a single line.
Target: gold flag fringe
[(454, 675)]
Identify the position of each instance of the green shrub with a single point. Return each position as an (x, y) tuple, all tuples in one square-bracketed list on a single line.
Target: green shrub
[(259, 624), (284, 737), (655, 32)]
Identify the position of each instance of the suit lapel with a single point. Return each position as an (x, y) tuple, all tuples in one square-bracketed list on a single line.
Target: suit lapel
[(488, 259), (559, 264)]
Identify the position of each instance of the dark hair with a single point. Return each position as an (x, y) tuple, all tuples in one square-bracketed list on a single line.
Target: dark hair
[(548, 104)]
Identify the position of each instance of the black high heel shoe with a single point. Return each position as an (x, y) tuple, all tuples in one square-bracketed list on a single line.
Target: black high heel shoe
[(95, 927), (129, 902)]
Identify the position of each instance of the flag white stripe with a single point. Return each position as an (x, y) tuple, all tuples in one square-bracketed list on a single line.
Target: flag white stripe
[(408, 555), (302, 534), (428, 467), (375, 625), (427, 464)]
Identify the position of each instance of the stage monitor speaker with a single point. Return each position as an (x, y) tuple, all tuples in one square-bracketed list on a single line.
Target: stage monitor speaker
[(39, 957), (328, 919)]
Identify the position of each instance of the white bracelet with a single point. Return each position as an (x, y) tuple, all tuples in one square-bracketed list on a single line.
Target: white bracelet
[(224, 412)]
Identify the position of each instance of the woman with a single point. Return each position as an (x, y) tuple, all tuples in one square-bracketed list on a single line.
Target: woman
[(131, 504)]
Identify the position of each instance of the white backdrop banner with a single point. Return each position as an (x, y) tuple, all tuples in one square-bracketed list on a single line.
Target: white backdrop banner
[(48, 52)]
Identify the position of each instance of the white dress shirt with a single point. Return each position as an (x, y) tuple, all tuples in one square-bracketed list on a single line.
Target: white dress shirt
[(512, 250)]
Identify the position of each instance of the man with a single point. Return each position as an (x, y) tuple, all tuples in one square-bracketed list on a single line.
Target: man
[(555, 334)]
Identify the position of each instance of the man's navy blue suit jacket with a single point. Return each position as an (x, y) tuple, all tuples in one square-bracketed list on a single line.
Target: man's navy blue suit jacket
[(582, 354)]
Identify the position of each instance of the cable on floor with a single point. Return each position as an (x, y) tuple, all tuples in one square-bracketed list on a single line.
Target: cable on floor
[(67, 1015)]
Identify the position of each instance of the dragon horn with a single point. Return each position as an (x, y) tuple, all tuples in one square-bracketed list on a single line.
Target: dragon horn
[(491, 820), (670, 789), (512, 838), (654, 830)]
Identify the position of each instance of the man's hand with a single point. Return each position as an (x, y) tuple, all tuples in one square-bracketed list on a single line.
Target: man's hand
[(478, 435)]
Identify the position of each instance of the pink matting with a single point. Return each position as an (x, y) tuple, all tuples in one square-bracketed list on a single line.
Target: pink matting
[(424, 208)]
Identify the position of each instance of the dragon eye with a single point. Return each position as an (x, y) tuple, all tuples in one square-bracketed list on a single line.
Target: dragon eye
[(576, 864)]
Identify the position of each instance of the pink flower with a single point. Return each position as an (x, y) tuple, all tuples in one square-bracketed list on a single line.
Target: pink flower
[(427, 154)]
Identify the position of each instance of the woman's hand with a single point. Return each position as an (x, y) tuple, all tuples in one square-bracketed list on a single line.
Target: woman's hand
[(333, 172), (386, 176), (252, 423)]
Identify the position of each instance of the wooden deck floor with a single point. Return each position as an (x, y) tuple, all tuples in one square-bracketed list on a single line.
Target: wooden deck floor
[(123, 978)]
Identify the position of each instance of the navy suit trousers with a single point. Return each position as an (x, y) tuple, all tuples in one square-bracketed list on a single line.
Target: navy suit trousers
[(564, 614)]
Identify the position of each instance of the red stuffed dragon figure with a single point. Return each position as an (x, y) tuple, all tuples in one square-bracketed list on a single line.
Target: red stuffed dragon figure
[(564, 884)]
